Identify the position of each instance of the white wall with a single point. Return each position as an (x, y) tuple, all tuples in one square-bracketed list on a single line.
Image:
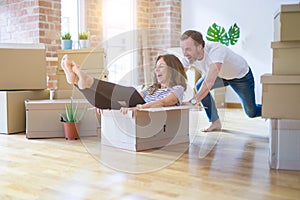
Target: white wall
[(255, 19)]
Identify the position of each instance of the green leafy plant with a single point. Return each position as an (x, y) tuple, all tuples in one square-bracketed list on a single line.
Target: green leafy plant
[(72, 114), (66, 36), (83, 35), (218, 33)]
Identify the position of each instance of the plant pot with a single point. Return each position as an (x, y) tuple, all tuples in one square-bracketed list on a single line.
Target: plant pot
[(84, 43), (66, 44), (71, 130)]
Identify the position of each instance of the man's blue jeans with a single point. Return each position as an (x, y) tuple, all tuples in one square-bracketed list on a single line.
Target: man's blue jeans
[(244, 87)]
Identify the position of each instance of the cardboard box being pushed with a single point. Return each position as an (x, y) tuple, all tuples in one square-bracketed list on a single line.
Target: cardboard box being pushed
[(23, 67), (146, 128), (43, 118)]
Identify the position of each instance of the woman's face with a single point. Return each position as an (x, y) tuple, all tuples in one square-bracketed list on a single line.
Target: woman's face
[(161, 72)]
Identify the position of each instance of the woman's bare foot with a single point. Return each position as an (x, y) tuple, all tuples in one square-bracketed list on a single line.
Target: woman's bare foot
[(214, 126), (84, 80), (66, 65)]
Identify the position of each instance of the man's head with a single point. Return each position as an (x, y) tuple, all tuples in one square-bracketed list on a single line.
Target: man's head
[(192, 45)]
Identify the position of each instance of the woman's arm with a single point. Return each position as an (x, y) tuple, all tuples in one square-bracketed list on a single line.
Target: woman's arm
[(169, 100)]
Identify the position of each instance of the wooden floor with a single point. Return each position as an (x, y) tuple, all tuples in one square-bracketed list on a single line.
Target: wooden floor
[(232, 164)]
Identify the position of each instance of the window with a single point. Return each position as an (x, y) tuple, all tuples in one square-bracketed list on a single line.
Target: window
[(120, 40), (71, 21)]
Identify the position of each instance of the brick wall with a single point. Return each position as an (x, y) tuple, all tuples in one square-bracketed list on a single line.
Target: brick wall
[(49, 34), (93, 18), (165, 18), (161, 22), (19, 22), (31, 21)]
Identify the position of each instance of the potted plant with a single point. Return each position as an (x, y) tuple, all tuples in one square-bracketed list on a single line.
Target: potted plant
[(84, 39), (66, 41), (71, 120)]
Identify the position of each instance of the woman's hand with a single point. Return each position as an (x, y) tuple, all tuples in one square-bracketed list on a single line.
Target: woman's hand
[(99, 111), (125, 110)]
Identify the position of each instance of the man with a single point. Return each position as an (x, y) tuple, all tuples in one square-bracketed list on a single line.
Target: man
[(221, 67)]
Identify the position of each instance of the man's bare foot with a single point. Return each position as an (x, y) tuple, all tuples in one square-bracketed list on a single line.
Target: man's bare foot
[(84, 80), (66, 65), (214, 126)]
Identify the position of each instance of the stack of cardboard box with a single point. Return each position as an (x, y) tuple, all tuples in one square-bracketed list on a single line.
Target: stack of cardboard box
[(22, 76), (47, 112), (281, 90), (90, 60)]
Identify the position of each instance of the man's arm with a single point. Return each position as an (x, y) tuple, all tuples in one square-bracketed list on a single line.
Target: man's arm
[(209, 81)]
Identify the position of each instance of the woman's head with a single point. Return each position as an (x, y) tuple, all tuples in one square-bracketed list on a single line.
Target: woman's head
[(169, 71)]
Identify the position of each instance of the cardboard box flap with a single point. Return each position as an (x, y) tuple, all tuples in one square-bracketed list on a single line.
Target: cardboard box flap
[(169, 108), (116, 113), (49, 105), (131, 114), (290, 8), (290, 44), (280, 79), (287, 8)]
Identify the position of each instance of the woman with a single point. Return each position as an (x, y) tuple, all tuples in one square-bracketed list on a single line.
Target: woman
[(168, 89)]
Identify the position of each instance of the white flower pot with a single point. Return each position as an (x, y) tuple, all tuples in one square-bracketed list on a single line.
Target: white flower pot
[(84, 43)]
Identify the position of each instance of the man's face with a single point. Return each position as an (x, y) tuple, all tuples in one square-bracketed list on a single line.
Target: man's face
[(190, 50)]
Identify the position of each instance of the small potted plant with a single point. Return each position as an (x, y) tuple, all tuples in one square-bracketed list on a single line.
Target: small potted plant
[(66, 41), (71, 120), (84, 39)]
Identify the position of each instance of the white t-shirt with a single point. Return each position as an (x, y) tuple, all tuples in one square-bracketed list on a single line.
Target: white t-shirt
[(233, 65)]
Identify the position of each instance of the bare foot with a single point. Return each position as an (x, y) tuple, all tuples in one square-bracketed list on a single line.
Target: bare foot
[(66, 65), (214, 126), (84, 80)]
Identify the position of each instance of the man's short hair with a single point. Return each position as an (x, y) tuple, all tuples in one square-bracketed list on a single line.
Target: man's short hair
[(195, 35)]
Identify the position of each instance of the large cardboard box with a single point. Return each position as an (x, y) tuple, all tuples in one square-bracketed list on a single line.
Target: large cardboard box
[(62, 83), (286, 58), (12, 109), (284, 144), (87, 58), (286, 23), (43, 118), (280, 96), (22, 67), (145, 129)]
